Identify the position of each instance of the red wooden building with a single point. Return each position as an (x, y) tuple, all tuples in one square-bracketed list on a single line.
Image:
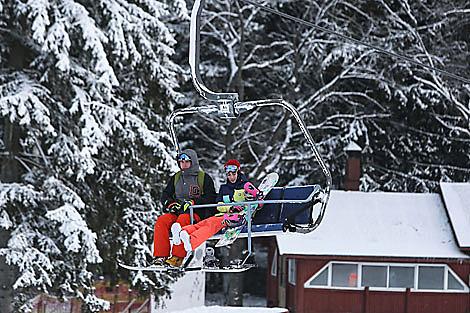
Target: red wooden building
[(378, 252)]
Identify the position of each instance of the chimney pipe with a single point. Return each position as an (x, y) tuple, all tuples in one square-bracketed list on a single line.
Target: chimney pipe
[(353, 166)]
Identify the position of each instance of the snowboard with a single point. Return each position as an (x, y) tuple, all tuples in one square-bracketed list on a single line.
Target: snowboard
[(161, 268), (264, 188)]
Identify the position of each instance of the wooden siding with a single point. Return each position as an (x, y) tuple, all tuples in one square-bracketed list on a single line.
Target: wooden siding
[(316, 300)]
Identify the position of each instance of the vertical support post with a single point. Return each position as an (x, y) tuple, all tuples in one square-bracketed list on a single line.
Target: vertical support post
[(250, 249), (407, 300), (365, 308)]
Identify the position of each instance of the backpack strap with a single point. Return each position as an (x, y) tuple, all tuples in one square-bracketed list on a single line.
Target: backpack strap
[(177, 178), (200, 181)]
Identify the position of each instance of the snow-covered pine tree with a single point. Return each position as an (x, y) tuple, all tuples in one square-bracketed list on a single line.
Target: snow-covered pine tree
[(87, 85)]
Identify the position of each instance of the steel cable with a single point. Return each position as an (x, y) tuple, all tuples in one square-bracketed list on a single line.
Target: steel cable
[(356, 41)]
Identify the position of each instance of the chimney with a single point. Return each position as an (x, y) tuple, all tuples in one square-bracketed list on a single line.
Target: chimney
[(353, 166)]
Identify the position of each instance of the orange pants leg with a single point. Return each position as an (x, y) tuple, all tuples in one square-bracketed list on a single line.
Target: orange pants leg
[(203, 230), (161, 235)]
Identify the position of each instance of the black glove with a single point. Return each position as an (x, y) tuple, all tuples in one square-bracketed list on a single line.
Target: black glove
[(186, 204), (173, 207)]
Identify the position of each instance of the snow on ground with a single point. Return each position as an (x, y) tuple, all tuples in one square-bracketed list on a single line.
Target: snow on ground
[(248, 300), (224, 309)]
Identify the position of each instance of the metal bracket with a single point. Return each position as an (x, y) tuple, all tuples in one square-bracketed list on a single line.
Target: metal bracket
[(227, 109)]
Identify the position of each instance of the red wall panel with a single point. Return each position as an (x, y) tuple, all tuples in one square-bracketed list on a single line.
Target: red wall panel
[(438, 303), (314, 300)]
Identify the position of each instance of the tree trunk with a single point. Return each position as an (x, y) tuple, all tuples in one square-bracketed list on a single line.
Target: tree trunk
[(9, 172)]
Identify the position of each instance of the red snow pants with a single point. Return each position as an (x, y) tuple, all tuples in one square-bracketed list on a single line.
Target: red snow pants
[(203, 230), (161, 234)]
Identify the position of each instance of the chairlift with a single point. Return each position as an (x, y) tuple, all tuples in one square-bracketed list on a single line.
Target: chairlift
[(284, 208)]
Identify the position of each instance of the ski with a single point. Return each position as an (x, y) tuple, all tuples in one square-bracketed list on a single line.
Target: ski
[(160, 268), (264, 188)]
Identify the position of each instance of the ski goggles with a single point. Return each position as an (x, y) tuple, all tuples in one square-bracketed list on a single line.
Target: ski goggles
[(231, 169), (184, 157)]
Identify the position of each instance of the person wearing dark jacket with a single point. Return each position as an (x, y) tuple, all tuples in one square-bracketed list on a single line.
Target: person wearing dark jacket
[(187, 187), (235, 181), (194, 235)]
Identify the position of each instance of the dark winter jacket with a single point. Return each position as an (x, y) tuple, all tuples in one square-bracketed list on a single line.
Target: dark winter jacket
[(187, 188), (228, 188)]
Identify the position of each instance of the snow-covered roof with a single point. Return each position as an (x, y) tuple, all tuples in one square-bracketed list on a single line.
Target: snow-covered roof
[(457, 202), (378, 224), (352, 146)]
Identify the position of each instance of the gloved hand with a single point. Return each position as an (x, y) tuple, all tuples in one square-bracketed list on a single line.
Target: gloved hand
[(186, 204), (249, 196), (236, 209), (173, 207), (223, 209)]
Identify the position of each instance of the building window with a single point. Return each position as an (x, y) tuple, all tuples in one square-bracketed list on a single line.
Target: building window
[(386, 276), (374, 276), (431, 277), (321, 279), (344, 275), (401, 277), (453, 283), (292, 272), (274, 265)]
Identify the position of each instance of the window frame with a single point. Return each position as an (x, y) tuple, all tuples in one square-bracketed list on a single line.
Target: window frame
[(274, 264), (416, 266), (291, 271)]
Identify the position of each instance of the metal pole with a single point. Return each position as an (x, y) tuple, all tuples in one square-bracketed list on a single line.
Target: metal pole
[(249, 236), (194, 48)]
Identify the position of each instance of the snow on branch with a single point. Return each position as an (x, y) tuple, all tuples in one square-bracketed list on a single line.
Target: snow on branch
[(58, 43), (93, 41), (17, 193), (5, 221), (35, 267), (77, 236), (269, 63), (37, 13), (22, 101), (57, 189)]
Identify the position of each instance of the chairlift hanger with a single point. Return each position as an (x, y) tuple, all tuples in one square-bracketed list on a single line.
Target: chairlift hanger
[(227, 105)]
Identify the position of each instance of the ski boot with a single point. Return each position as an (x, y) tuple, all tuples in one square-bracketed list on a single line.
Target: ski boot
[(210, 261), (174, 261), (159, 261)]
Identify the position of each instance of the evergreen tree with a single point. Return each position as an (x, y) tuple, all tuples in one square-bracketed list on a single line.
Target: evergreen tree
[(89, 98)]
